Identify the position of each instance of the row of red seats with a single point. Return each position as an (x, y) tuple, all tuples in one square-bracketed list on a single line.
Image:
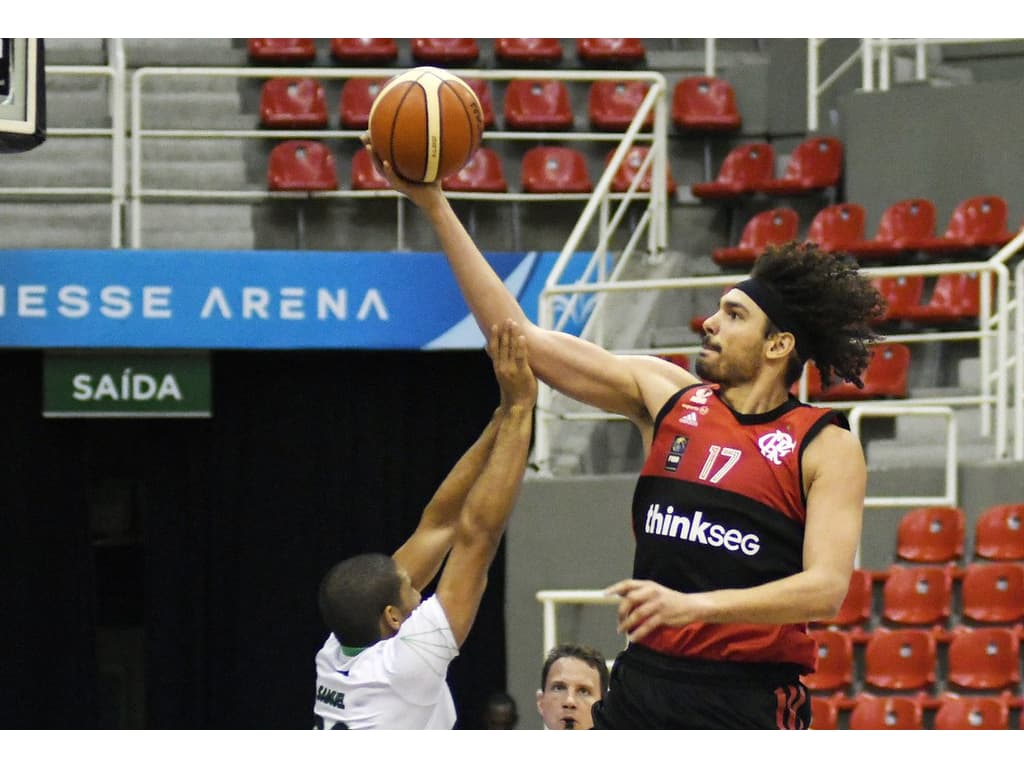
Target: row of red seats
[(510, 51), (539, 104), (951, 712), (302, 165), (815, 164)]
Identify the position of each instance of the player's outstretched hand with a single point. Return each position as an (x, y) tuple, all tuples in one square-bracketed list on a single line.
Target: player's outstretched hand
[(418, 192), (507, 348)]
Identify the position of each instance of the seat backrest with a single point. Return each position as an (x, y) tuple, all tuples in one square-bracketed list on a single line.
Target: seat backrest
[(364, 173), (837, 227), (856, 607), (528, 50), (917, 595), (629, 168), (885, 376), (356, 100), (482, 89), (900, 659), (537, 104), (933, 534), (984, 658), (993, 593), (771, 227), (610, 51), (910, 219), (999, 532), (293, 102), (547, 169), (612, 104), (483, 172), (444, 50), (748, 164), (877, 713), (364, 50), (705, 103), (968, 713), (301, 165), (957, 294), (824, 714), (834, 669), (900, 292), (817, 162), (978, 217), (282, 50)]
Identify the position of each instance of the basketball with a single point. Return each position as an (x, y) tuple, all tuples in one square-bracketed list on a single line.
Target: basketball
[(427, 123)]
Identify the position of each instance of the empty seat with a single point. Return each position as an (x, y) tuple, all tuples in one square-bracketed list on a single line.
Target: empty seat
[(884, 377), (931, 535), (955, 296), (984, 658), (904, 226), (834, 670), (282, 50), (482, 89), (444, 50), (548, 169), (744, 168), (993, 593), (772, 227), (814, 165), (824, 714), (900, 659), (301, 166), (917, 595), (538, 105), (356, 100), (879, 713), (612, 104), (999, 533), (837, 227), (610, 51), (482, 173), (359, 51), (977, 222), (705, 104), (902, 294), (968, 713), (293, 102), (630, 167), (528, 51), (364, 173), (855, 611)]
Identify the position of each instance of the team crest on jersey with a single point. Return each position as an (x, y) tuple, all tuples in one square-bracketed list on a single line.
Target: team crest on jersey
[(689, 418), (701, 396), (675, 453), (776, 445)]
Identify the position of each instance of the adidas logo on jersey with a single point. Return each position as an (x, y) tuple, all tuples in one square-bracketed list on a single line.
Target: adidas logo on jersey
[(699, 531), (689, 418)]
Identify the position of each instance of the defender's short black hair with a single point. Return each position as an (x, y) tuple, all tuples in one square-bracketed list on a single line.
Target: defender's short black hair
[(354, 593)]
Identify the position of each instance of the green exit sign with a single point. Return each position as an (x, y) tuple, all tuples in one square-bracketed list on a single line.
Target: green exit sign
[(126, 385)]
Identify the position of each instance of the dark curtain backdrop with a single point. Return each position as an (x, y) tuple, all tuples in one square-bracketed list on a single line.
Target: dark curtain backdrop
[(310, 457)]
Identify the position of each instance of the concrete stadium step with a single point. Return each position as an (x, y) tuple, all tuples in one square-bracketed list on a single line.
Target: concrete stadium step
[(197, 225), (60, 161), (66, 51), (55, 225), (185, 52), (193, 150), (184, 110), (201, 175)]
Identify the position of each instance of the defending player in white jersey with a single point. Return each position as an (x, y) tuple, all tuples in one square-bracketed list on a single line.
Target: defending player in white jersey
[(385, 661)]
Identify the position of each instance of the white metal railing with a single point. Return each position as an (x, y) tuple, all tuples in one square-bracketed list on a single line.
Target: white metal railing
[(550, 599), (1018, 356), (872, 52), (114, 72), (655, 101)]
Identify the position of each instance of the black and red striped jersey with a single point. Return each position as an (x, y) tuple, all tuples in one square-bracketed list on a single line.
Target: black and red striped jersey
[(719, 504)]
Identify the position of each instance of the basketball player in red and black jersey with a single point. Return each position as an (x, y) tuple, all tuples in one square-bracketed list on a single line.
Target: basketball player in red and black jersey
[(747, 512)]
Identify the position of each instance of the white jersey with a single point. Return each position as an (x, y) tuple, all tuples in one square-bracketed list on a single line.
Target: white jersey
[(395, 683)]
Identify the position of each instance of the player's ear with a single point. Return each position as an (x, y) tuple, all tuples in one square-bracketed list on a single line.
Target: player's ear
[(540, 695), (390, 620), (781, 344)]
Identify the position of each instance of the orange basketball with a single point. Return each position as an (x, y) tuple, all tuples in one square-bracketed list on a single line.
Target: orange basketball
[(427, 123)]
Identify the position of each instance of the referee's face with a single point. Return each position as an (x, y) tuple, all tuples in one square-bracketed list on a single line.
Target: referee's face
[(571, 689)]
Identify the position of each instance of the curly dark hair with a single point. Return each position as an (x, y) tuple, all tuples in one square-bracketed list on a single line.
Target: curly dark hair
[(831, 301)]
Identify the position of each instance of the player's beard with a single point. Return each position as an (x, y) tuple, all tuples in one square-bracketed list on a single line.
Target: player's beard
[(728, 370)]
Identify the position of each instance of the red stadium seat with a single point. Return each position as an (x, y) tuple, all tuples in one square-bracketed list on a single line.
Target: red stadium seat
[(999, 533), (610, 51), (365, 174), (631, 166), (612, 104), (528, 51), (824, 714), (772, 227), (282, 50), (917, 595), (301, 166), (885, 377), (955, 297), (838, 226), (360, 51), (931, 535), (904, 226), (834, 670), (538, 105), (445, 50), (482, 89), (293, 102), (744, 168), (970, 713), (548, 169), (483, 173), (885, 713), (357, 95), (977, 222), (706, 105), (900, 659), (902, 295), (993, 592), (984, 658), (855, 612), (815, 165)]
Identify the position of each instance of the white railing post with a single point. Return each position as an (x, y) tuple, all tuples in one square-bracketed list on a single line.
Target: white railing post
[(1018, 368), (812, 84), (118, 150), (867, 65), (709, 56)]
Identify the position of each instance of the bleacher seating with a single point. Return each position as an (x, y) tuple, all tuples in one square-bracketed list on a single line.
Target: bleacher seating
[(815, 165), (931, 535), (482, 173), (445, 51), (743, 170), (293, 102), (772, 227), (612, 104), (835, 662), (824, 713), (904, 227), (301, 165), (855, 613), (885, 377), (919, 595), (537, 105), (610, 51), (356, 100), (901, 660), (837, 227), (977, 222), (290, 51), (364, 51), (631, 166), (705, 104), (550, 169), (886, 713), (364, 174), (528, 51), (968, 713), (992, 592), (984, 659), (999, 533)]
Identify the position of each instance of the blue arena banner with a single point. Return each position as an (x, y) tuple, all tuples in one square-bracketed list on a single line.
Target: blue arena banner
[(253, 299)]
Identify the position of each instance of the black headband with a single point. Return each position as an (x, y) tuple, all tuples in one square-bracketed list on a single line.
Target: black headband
[(772, 304)]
